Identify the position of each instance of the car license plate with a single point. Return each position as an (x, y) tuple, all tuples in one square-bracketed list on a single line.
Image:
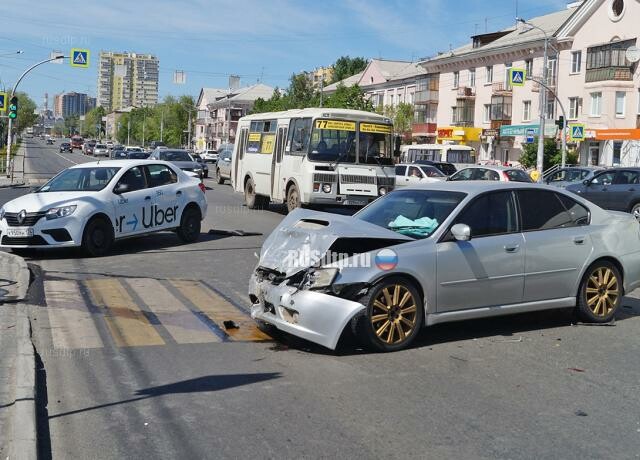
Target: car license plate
[(352, 202), (20, 232)]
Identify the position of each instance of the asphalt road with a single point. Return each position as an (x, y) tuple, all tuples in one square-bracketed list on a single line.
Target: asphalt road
[(137, 364)]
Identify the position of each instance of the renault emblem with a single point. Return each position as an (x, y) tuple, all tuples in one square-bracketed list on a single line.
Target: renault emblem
[(22, 215)]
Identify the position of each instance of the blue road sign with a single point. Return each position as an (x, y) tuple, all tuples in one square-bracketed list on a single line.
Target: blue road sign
[(576, 132), (531, 136), (79, 57), (517, 77), (3, 102)]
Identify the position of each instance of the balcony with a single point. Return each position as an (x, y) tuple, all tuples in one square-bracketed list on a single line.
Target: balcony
[(501, 89), (465, 92), (426, 96), (609, 74), (424, 129)]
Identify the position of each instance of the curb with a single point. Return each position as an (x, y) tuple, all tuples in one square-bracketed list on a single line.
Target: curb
[(15, 184), (14, 271), (24, 443)]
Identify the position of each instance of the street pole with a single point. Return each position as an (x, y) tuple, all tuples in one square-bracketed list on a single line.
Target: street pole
[(144, 120), (543, 115), (564, 120), (13, 93), (161, 125), (129, 130), (189, 135)]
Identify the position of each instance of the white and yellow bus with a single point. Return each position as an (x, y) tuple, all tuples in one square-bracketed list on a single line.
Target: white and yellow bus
[(315, 156), (460, 156)]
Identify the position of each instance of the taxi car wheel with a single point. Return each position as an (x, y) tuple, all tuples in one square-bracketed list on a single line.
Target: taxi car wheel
[(293, 198), (635, 210), (393, 315), (600, 293), (219, 178), (98, 236), (190, 223)]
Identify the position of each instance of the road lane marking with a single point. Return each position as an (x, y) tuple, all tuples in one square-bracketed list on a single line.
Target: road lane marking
[(126, 322), (65, 158), (177, 319), (220, 310), (72, 325)]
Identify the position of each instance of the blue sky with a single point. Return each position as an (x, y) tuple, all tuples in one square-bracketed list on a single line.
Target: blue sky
[(210, 39)]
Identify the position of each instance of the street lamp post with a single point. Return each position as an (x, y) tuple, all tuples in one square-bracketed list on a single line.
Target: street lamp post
[(542, 100), (13, 92)]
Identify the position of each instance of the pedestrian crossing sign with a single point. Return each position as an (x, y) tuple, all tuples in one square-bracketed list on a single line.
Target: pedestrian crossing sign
[(576, 132), (79, 57), (517, 77), (3, 102)]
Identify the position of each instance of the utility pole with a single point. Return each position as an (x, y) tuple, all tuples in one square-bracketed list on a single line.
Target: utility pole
[(129, 129), (161, 125), (189, 135), (13, 93), (321, 92)]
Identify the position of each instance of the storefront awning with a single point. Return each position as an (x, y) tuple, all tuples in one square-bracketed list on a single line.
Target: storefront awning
[(613, 134), (550, 130), (459, 134)]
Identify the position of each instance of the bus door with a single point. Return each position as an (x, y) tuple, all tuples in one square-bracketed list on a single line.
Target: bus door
[(276, 163), (239, 154)]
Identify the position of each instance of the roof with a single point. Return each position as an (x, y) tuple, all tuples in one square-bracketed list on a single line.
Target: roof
[(246, 94), (318, 111), (550, 23), (390, 71), (349, 81)]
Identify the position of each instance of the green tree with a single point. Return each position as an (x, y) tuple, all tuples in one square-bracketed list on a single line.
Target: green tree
[(349, 97), (402, 116), (71, 124), (346, 66), (92, 121), (26, 112), (552, 155)]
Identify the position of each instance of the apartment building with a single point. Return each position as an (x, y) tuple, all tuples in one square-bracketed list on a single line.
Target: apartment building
[(219, 111), (127, 79), (319, 76), (589, 76), (72, 103)]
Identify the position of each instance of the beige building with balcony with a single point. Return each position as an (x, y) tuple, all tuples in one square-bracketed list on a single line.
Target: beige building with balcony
[(127, 79), (587, 69)]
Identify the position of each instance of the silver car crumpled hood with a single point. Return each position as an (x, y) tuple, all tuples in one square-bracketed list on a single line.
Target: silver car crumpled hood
[(312, 232)]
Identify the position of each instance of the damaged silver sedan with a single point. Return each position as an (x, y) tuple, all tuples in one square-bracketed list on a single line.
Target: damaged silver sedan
[(439, 253)]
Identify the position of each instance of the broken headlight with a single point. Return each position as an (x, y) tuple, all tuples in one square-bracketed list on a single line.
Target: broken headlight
[(318, 278)]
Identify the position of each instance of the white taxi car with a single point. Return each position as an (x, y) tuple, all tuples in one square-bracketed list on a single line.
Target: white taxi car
[(93, 204)]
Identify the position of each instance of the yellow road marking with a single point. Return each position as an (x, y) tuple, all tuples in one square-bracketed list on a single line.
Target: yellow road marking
[(71, 322), (177, 319), (126, 322), (220, 310)]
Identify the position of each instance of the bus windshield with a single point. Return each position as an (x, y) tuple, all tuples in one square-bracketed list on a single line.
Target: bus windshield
[(336, 140)]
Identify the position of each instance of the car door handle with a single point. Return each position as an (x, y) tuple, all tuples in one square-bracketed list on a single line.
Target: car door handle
[(579, 240), (179, 193), (147, 198), (511, 248)]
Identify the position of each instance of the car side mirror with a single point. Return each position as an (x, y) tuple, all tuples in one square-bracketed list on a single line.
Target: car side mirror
[(461, 232), (121, 188), (586, 182)]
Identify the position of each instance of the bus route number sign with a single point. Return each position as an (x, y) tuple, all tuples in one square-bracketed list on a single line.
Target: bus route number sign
[(336, 125), (375, 128)]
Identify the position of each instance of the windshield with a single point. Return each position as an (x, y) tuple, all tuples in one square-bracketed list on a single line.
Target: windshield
[(415, 213), (570, 175), (335, 140), (101, 146), (80, 180), (175, 156)]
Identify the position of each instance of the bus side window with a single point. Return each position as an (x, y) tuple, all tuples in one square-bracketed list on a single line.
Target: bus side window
[(299, 134)]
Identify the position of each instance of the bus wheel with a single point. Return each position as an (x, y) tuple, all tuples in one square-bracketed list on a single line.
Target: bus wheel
[(293, 198), (250, 198)]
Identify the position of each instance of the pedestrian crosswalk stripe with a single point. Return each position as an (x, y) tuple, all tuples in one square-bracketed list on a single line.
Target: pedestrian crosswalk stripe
[(220, 310), (126, 322), (71, 322), (177, 319)]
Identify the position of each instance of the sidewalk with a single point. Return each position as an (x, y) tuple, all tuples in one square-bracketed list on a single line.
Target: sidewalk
[(17, 363), (18, 173)]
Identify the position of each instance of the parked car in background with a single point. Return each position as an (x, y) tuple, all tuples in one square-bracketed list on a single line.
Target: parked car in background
[(180, 158), (49, 141), (617, 189), (118, 152), (447, 169), (155, 144), (572, 175), (210, 156), (133, 148), (411, 174), (223, 166), (492, 173), (88, 146), (100, 150), (205, 166), (65, 147)]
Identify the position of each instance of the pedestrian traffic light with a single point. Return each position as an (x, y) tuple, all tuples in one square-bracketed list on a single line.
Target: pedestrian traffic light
[(13, 108), (560, 122)]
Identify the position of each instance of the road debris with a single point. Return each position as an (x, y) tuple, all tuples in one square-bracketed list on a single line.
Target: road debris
[(575, 369), (518, 340), (229, 324), (581, 413)]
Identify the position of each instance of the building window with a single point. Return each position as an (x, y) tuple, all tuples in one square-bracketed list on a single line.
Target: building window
[(456, 79), (596, 104), (472, 78), (526, 110), (616, 10), (576, 61), (620, 103), (528, 65), (574, 108), (617, 148), (552, 71), (551, 108), (609, 62), (501, 108), (489, 70), (453, 115)]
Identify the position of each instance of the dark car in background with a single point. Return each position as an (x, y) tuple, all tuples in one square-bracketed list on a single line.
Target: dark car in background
[(616, 189), (571, 175), (65, 147), (203, 163), (448, 169), (180, 158)]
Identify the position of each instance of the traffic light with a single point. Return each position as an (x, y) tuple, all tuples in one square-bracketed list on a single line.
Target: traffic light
[(13, 108), (560, 122)]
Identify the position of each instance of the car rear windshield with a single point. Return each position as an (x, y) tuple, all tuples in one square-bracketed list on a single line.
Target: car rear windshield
[(446, 168), (80, 180), (175, 156), (518, 175), (415, 213)]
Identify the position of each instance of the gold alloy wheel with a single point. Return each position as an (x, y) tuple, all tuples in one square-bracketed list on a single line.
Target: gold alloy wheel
[(394, 314), (603, 291)]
